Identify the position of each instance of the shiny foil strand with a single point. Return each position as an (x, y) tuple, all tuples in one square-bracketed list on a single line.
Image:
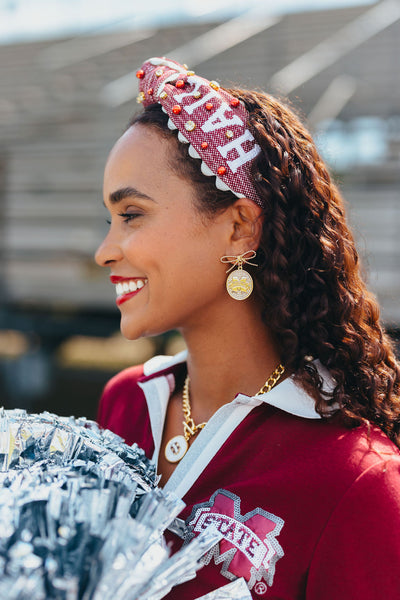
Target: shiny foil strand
[(81, 517)]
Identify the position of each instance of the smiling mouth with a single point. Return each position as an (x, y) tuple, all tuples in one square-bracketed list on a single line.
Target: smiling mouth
[(128, 288)]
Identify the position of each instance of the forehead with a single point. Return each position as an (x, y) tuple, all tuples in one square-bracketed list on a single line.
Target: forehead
[(142, 159), (139, 147)]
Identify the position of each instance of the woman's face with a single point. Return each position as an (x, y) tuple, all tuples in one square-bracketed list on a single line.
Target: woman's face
[(162, 253)]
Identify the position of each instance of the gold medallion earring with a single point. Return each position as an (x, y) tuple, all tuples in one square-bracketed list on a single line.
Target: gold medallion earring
[(239, 283)]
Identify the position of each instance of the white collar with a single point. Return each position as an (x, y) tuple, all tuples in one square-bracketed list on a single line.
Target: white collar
[(287, 396), (161, 362)]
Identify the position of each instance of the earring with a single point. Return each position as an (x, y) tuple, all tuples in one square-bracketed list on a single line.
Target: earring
[(239, 283)]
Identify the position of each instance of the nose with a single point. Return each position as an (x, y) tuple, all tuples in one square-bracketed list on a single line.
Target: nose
[(108, 252)]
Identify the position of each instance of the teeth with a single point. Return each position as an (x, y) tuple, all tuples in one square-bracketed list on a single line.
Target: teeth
[(129, 286)]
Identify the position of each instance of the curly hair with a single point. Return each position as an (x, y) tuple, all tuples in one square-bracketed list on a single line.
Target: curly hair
[(314, 300)]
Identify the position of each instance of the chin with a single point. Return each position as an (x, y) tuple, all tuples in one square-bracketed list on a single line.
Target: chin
[(140, 324), (130, 330), (134, 331), (131, 334)]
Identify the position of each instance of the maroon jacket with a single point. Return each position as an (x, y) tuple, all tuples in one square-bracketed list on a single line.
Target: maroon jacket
[(308, 509)]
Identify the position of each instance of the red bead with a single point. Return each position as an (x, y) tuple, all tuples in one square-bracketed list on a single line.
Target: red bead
[(209, 106), (150, 91), (204, 145), (180, 83), (221, 170), (177, 109), (235, 102), (140, 74)]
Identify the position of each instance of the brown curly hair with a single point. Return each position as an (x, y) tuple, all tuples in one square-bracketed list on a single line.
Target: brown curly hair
[(314, 300)]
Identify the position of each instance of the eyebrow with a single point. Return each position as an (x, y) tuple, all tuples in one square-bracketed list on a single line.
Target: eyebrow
[(127, 192)]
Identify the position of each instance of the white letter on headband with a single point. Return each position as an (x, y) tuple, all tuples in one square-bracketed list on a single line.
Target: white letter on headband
[(209, 119)]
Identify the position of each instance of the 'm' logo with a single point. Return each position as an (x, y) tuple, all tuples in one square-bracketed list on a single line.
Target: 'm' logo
[(249, 547)]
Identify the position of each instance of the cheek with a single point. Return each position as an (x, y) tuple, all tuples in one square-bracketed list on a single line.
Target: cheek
[(179, 255), (200, 275), (141, 247)]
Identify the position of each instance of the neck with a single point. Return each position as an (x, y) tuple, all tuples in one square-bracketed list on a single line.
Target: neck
[(233, 353)]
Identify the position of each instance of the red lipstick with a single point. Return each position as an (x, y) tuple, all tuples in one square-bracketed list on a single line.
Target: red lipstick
[(125, 287), (121, 299)]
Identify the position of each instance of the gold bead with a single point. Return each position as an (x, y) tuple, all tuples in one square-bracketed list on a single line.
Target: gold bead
[(159, 72), (197, 95), (215, 85), (163, 95), (229, 134), (190, 73), (140, 98)]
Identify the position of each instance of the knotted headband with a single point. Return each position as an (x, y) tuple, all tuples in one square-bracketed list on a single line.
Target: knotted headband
[(209, 119)]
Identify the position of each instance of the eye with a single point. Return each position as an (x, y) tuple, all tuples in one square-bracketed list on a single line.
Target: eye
[(128, 216)]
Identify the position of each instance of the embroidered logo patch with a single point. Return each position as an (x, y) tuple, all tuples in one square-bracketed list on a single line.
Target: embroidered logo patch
[(249, 547)]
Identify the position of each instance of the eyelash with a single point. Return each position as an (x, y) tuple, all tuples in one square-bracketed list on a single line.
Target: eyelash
[(126, 216)]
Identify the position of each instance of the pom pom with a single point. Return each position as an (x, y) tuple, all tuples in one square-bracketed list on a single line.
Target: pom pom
[(81, 516)]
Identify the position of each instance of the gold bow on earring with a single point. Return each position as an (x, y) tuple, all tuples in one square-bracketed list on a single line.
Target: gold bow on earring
[(239, 283)]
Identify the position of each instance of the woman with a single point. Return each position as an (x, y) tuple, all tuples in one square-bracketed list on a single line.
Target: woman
[(280, 425)]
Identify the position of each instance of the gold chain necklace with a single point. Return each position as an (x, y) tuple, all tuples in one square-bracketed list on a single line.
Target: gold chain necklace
[(177, 446)]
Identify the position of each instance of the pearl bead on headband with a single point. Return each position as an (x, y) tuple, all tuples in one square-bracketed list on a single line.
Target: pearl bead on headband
[(209, 119)]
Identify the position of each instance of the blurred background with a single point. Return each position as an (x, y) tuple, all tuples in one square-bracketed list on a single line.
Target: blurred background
[(67, 90)]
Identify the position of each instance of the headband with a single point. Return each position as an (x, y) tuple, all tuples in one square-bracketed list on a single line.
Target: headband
[(209, 119)]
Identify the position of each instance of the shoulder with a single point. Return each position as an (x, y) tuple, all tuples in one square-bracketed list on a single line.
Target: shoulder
[(328, 455), (123, 398), (127, 377), (361, 537), (126, 382), (119, 394), (349, 453)]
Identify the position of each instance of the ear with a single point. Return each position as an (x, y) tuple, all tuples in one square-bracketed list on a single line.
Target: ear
[(247, 222)]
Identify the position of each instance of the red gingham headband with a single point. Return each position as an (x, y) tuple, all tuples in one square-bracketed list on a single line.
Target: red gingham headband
[(209, 119)]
